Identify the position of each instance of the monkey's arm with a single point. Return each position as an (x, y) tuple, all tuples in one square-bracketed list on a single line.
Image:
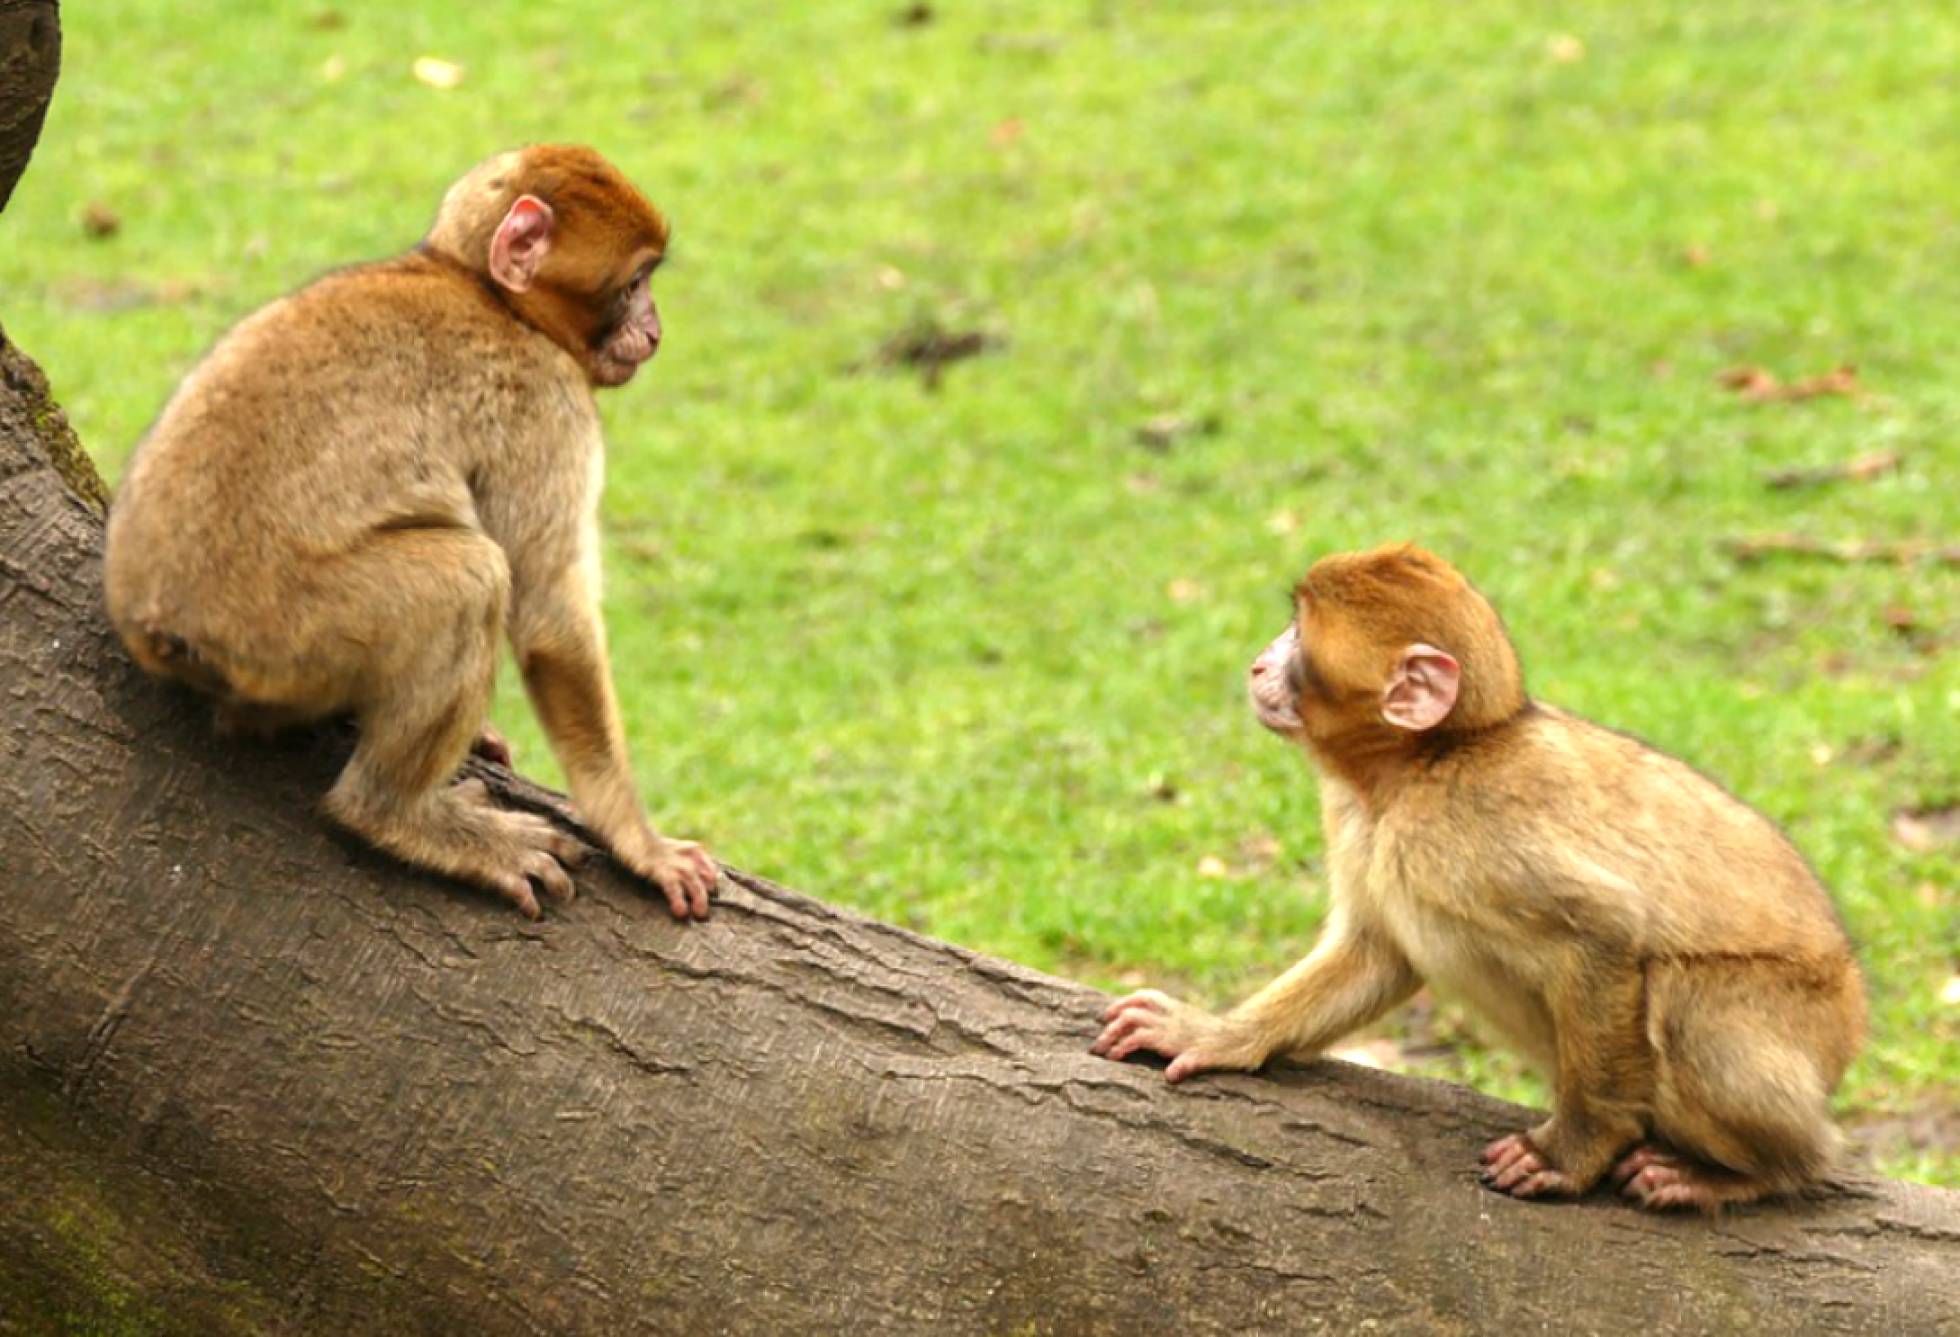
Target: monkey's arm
[(1353, 975), (560, 643)]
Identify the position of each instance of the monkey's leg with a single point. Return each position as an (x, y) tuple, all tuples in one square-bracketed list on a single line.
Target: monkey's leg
[(1747, 1059), (429, 605), (1353, 975), (1603, 1085)]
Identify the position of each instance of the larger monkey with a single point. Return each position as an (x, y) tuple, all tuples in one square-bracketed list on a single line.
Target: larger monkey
[(1652, 942), (366, 484)]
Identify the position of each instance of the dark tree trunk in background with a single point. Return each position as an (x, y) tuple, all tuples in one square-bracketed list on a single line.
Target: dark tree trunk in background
[(254, 1078), (30, 57)]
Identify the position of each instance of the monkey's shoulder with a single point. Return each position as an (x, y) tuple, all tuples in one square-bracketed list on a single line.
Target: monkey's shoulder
[(405, 316)]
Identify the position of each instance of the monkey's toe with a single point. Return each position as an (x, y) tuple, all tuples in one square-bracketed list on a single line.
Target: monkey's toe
[(1639, 1159), (1666, 1182), (1513, 1165)]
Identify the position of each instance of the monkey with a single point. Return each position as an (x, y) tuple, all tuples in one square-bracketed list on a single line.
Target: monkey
[(1651, 942), (367, 485)]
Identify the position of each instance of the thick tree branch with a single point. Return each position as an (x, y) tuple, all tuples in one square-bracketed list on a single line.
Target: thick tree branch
[(255, 1078)]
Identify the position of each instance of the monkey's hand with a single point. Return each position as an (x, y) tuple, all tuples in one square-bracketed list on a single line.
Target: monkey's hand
[(683, 870), (1191, 1038)]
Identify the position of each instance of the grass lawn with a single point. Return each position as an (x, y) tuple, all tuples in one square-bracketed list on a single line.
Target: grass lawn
[(1262, 280)]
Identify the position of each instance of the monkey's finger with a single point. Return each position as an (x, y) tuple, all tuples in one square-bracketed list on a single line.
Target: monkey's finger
[(670, 886), (698, 887), (1147, 999), (1186, 1064), (1143, 1038), (1116, 1031)]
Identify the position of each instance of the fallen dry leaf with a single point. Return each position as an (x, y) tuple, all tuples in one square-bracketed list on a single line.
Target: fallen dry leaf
[(437, 73), (1695, 256), (100, 221), (1260, 850), (1926, 829), (1950, 993), (1184, 590), (1758, 385), (1857, 469), (1211, 866), (914, 16), (1282, 522), (1006, 132), (333, 69)]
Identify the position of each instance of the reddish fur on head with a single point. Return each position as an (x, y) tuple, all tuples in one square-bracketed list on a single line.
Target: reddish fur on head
[(568, 244), (1391, 650)]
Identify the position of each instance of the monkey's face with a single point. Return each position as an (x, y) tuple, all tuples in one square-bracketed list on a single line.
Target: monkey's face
[(1273, 682), (631, 336)]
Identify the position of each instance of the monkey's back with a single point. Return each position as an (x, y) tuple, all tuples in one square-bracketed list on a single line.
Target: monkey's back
[(1600, 828), (348, 408)]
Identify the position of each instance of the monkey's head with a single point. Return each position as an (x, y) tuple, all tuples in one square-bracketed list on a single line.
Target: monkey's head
[(568, 244), (1385, 645)]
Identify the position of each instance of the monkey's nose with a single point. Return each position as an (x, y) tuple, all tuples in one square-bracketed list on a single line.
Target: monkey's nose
[(1258, 668)]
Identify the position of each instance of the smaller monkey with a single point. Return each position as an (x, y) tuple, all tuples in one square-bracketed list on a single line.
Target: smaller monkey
[(1654, 944), (366, 485)]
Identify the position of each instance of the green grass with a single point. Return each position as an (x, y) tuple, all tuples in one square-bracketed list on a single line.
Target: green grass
[(971, 659)]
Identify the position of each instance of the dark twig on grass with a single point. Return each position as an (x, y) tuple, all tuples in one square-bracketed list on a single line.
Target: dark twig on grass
[(928, 347), (1858, 469), (1904, 552)]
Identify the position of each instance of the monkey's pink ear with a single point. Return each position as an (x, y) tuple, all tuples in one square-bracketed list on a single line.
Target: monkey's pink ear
[(1422, 690), (519, 246)]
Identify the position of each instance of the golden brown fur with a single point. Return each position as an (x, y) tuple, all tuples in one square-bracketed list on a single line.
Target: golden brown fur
[(1656, 945), (368, 483)]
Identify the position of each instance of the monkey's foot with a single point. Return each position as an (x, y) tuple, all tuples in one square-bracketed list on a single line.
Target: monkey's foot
[(1661, 1180), (514, 850), (1513, 1165)]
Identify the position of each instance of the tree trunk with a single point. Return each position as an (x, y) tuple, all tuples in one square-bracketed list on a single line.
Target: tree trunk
[(30, 57), (258, 1078)]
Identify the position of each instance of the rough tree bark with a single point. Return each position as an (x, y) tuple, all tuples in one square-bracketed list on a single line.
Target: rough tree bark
[(257, 1078), (254, 1078)]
